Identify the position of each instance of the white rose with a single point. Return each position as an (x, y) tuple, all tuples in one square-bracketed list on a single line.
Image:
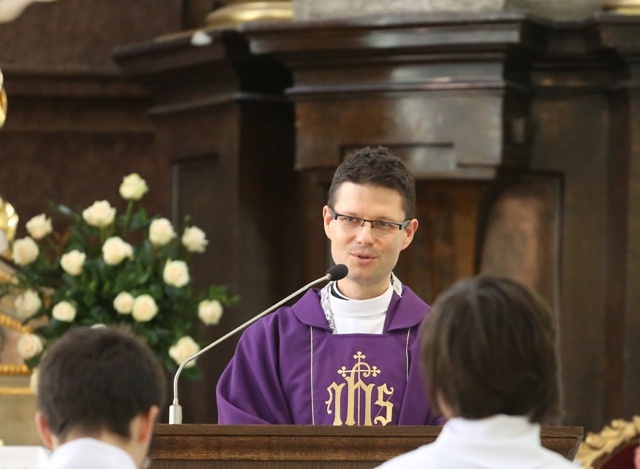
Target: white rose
[(115, 250), (64, 311), (133, 187), (183, 349), (194, 239), (176, 273), (161, 232), (144, 308), (29, 345), (123, 303), (100, 214), (28, 303), (210, 312), (73, 261), (39, 226), (25, 251)]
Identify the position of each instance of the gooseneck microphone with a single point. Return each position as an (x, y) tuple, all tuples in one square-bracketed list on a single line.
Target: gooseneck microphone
[(337, 272)]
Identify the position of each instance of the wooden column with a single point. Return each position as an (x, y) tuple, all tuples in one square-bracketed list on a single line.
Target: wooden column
[(583, 112), (618, 37), (223, 123)]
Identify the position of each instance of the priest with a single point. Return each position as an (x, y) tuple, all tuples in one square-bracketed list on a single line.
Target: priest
[(346, 354)]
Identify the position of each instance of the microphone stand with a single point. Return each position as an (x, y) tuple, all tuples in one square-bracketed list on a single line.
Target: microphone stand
[(337, 272)]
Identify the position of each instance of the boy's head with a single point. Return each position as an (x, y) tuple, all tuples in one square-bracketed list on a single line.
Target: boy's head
[(96, 381), (489, 347)]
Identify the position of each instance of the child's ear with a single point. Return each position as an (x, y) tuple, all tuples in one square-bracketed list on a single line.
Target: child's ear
[(148, 423), (43, 430)]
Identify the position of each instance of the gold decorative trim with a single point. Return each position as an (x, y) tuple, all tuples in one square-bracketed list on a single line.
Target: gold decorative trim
[(235, 14), (628, 7), (12, 323), (8, 224), (3, 102), (620, 3), (14, 370), (7, 391), (612, 437), (3, 106)]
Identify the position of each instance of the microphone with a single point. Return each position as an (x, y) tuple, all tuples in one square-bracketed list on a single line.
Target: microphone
[(337, 272)]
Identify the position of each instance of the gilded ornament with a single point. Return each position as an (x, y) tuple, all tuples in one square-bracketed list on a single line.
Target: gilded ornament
[(8, 225), (627, 7), (236, 14), (598, 446), (3, 102)]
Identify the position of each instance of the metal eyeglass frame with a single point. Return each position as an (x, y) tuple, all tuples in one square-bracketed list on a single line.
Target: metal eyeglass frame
[(374, 223)]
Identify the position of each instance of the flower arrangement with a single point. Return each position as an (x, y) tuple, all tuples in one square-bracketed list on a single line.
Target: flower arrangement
[(95, 274)]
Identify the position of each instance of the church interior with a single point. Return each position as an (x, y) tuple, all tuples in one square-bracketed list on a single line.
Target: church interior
[(520, 123)]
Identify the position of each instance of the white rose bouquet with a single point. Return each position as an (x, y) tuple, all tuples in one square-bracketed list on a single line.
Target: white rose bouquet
[(111, 268)]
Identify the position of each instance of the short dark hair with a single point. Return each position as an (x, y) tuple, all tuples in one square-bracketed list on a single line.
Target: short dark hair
[(376, 167), (489, 347), (95, 379)]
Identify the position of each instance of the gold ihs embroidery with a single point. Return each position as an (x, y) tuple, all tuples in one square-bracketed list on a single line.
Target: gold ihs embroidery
[(359, 396)]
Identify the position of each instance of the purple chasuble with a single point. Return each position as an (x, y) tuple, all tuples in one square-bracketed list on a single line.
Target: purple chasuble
[(357, 379)]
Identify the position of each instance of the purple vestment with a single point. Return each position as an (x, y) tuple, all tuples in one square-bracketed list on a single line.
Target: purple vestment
[(357, 379)]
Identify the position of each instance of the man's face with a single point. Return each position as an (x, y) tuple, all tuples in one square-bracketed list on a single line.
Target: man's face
[(370, 256)]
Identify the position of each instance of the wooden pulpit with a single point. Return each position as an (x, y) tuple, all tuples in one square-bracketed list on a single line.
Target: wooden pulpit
[(200, 446)]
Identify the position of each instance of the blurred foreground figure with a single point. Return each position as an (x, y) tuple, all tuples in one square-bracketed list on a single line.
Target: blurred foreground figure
[(99, 392), (489, 352)]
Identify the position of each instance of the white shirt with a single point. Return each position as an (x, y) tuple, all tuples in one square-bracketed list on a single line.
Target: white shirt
[(85, 453), (360, 316), (498, 442)]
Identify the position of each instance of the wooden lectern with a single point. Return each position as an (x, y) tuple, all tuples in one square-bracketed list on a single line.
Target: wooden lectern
[(299, 446)]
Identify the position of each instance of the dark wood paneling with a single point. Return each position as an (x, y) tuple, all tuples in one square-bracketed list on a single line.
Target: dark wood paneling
[(444, 248), (222, 120), (520, 234), (631, 351), (76, 36), (74, 129)]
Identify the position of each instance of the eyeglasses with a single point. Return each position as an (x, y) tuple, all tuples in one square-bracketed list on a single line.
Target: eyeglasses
[(379, 227)]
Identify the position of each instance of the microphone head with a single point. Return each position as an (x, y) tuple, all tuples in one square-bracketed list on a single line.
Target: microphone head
[(338, 272)]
